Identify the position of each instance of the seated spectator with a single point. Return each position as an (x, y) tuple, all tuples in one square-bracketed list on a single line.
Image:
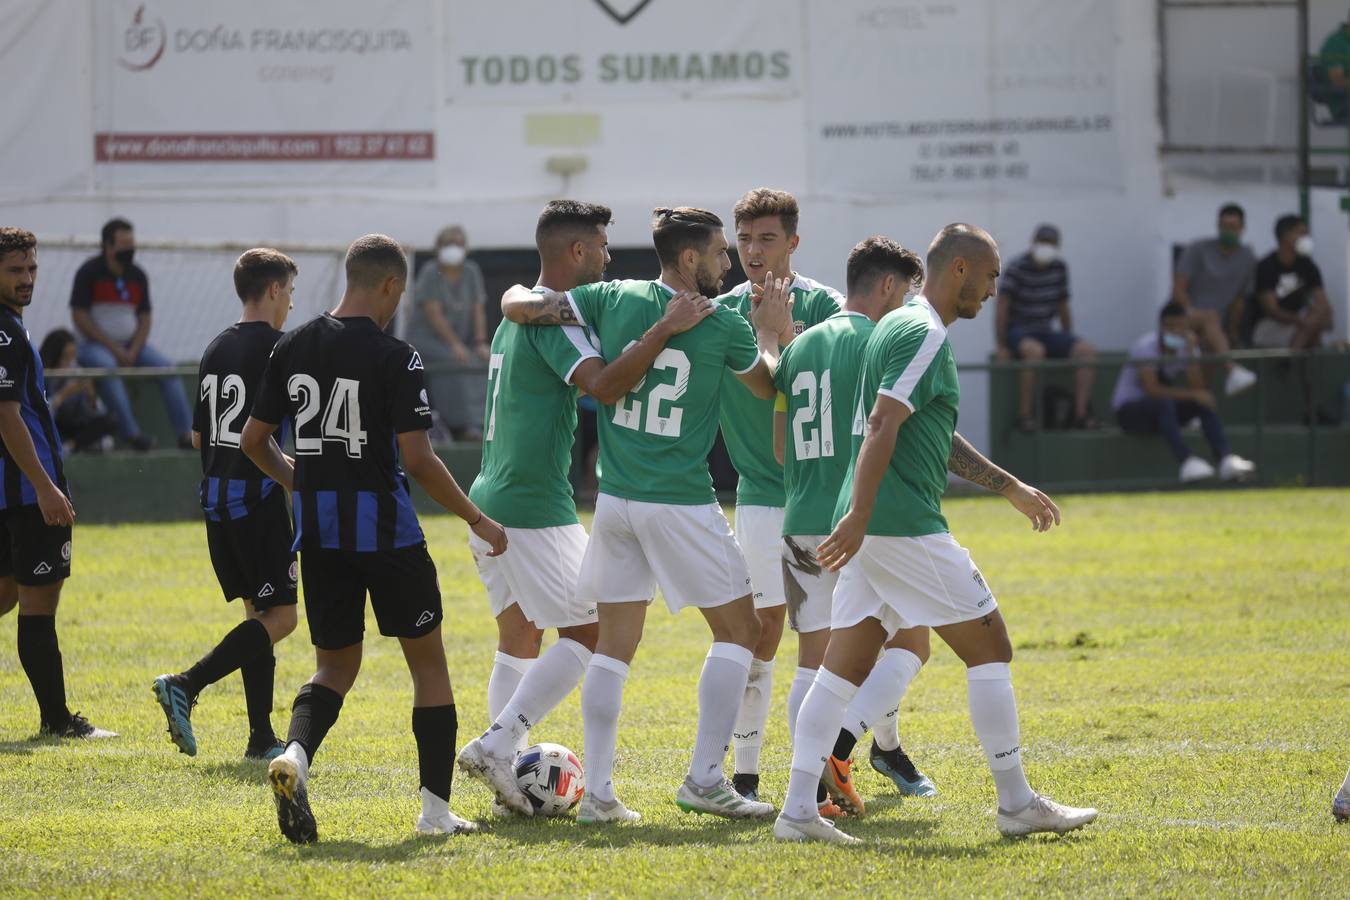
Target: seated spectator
[(1293, 309), (1161, 398), (448, 326), (81, 420), (1033, 291), (1212, 282), (110, 306)]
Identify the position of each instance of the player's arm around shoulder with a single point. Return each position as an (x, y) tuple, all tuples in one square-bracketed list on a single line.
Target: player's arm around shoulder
[(974, 467), (609, 383), (530, 307)]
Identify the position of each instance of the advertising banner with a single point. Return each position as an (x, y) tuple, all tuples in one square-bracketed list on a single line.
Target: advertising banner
[(257, 91), (537, 51), (995, 97)]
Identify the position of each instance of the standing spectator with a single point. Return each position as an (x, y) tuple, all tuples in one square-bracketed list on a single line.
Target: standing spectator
[(1292, 307), (1153, 397), (449, 327), (1032, 293), (110, 306), (1332, 65), (1212, 282), (81, 420)]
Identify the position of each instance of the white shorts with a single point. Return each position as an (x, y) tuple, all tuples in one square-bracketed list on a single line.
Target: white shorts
[(688, 551), (906, 582), (809, 588), (759, 531), (538, 573)]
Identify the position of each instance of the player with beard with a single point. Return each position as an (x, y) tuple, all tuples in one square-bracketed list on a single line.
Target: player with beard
[(901, 568), (657, 522), (35, 510), (533, 376)]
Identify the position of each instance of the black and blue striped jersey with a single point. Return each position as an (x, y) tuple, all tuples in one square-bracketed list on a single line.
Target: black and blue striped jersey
[(22, 381)]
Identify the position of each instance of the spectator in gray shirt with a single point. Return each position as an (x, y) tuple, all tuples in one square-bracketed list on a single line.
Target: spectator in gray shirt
[(1212, 281), (448, 326)]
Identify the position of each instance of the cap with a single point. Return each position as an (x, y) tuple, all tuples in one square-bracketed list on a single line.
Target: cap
[(1046, 234)]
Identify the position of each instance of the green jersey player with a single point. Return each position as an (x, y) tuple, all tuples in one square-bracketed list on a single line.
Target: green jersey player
[(766, 237), (818, 414), (657, 522), (531, 415), (900, 566)]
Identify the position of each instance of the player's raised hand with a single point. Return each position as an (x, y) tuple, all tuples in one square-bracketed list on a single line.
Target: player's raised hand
[(685, 310), (491, 532), (1035, 505), (55, 506), (771, 304), (843, 542)]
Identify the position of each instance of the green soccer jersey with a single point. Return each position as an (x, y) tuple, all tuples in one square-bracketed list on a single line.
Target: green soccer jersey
[(817, 380), (747, 421), (654, 442), (909, 359), (530, 418)]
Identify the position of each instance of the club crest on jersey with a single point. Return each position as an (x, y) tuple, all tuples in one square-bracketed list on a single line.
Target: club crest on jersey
[(416, 362), (4, 378), (423, 395), (798, 327)]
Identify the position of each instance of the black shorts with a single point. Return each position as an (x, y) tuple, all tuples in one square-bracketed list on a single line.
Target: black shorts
[(252, 556), (31, 551), (404, 593)]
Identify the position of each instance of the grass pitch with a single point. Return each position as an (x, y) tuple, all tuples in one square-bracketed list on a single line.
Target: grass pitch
[(1179, 664)]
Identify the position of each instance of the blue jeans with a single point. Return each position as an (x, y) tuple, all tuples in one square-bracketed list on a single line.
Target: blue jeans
[(114, 393), (1163, 415)]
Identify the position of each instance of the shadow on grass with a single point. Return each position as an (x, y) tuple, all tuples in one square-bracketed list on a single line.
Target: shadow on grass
[(24, 747), (245, 771), (354, 851)]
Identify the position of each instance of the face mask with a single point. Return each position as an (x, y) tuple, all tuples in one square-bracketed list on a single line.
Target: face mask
[(1230, 238), (1044, 254), (1304, 245), (452, 255), (124, 257), (1173, 341)]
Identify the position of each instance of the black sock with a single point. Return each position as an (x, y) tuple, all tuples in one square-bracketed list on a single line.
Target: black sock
[(315, 710), (245, 642), (843, 746), (40, 656), (821, 794), (434, 729), (259, 675)]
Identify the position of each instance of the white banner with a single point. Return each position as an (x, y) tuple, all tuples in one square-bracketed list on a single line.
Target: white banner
[(258, 91), (536, 51), (997, 97)]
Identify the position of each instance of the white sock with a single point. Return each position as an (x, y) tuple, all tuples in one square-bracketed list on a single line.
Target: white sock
[(880, 694), (801, 683), (720, 690), (747, 736), (298, 754), (505, 678), (601, 699), (1345, 785), (993, 712), (547, 684), (817, 728), (433, 807)]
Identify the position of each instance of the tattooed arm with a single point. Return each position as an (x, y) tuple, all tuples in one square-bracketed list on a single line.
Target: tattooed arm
[(972, 465), (525, 307)]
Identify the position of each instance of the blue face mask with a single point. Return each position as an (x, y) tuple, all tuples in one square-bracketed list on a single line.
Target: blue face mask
[(1173, 341)]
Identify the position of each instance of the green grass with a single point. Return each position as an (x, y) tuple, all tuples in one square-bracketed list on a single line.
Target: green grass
[(1179, 664)]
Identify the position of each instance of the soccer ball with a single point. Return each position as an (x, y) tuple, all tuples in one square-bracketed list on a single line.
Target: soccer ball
[(551, 777)]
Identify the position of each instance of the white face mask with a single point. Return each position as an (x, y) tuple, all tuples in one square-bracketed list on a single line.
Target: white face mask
[(452, 255), (1304, 245), (1044, 254), (1173, 341)]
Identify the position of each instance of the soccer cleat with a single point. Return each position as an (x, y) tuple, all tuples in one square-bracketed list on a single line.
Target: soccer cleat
[(1234, 468), (1043, 814), (177, 705), (720, 799), (77, 727), (599, 812), (1195, 469), (1238, 380), (264, 750), (289, 777), (746, 784), (829, 810), (436, 817), (817, 829), (497, 773), (896, 765), (838, 780), (1340, 806)]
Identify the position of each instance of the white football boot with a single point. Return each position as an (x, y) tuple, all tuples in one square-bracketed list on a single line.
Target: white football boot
[(817, 829), (1044, 814)]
